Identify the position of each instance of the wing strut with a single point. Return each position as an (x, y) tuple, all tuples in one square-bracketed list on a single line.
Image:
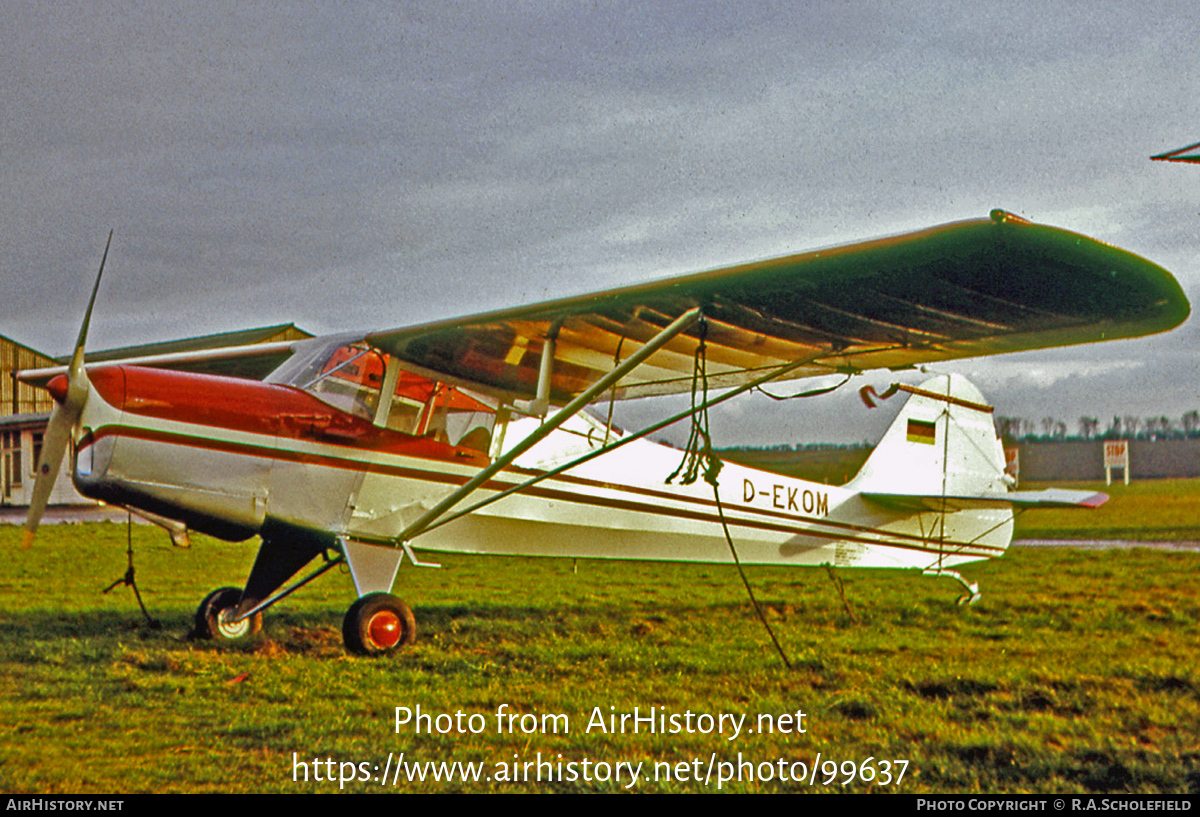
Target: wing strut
[(680, 325), (541, 404)]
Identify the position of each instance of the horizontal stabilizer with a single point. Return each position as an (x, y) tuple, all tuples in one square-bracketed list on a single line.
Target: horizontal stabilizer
[(1057, 498), (1048, 498)]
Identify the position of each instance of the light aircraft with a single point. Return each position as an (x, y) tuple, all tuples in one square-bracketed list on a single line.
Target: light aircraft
[(1189, 154), (470, 435)]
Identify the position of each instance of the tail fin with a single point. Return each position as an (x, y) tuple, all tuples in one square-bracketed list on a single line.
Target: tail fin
[(943, 444), (941, 455)]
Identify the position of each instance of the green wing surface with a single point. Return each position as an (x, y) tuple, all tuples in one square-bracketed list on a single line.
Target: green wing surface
[(960, 290)]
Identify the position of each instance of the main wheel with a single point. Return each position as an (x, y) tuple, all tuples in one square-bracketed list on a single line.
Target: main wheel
[(214, 617), (378, 623)]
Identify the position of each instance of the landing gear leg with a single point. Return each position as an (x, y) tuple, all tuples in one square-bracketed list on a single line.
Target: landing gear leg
[(971, 596)]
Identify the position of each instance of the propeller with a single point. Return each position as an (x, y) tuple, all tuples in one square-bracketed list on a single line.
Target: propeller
[(63, 419)]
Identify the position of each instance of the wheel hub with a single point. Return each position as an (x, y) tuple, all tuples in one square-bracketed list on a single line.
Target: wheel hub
[(385, 629), (230, 628)]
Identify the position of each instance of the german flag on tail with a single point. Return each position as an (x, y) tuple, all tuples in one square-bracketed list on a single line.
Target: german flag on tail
[(921, 431)]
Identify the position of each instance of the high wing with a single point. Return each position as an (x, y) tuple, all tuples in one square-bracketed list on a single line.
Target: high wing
[(966, 289)]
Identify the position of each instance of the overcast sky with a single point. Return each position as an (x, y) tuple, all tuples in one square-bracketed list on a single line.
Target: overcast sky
[(365, 166)]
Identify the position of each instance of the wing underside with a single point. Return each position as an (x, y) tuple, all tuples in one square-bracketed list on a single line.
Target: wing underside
[(960, 290)]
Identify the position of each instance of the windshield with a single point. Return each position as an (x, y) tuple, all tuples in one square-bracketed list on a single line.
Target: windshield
[(346, 375)]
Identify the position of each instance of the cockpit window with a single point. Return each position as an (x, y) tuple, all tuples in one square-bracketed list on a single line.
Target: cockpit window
[(424, 407), (351, 380), (458, 418), (351, 375)]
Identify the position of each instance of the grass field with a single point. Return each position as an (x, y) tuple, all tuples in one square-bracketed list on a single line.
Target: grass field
[(1076, 672), (1163, 510)]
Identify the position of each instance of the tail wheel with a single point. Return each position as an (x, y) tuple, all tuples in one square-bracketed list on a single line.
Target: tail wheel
[(378, 623), (214, 617)]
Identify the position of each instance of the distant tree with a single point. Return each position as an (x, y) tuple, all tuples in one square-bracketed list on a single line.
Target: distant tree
[(1157, 427), (1190, 422), (1014, 428), (1088, 426), (1131, 425), (1048, 424), (1115, 428), (1008, 428)]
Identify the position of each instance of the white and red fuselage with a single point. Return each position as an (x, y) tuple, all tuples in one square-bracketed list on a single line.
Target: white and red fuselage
[(234, 458)]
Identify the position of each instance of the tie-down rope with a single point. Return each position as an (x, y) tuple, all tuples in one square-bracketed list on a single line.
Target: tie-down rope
[(698, 453)]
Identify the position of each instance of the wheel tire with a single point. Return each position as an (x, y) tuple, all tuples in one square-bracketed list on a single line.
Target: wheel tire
[(377, 624), (209, 622)]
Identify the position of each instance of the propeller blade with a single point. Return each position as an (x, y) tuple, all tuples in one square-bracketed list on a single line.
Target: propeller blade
[(77, 358), (54, 446), (63, 419)]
